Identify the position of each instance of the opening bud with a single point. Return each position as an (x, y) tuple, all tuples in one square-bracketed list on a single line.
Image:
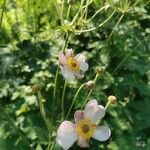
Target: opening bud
[(90, 84), (112, 99)]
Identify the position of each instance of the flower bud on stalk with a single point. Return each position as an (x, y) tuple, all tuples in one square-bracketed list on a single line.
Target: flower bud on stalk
[(70, 2), (90, 84), (112, 99), (36, 88), (100, 70)]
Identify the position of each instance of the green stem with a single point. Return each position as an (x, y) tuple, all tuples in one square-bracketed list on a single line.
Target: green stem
[(89, 94), (68, 11), (121, 17), (16, 128), (100, 25), (3, 9), (98, 11), (85, 10), (77, 14), (58, 11), (74, 99), (62, 100), (42, 111), (57, 71)]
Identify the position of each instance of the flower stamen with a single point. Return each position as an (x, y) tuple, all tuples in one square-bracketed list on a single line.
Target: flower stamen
[(73, 64), (85, 128)]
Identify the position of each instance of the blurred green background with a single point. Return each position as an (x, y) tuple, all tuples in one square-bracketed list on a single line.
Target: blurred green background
[(31, 36)]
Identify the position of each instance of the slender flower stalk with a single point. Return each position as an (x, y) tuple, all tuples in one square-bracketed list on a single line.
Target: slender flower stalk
[(62, 100), (119, 20), (89, 94), (97, 12), (15, 128), (68, 11), (42, 111), (77, 14), (74, 99), (100, 25), (57, 71)]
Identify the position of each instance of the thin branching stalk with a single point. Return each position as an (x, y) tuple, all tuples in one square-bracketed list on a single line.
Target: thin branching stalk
[(74, 99), (100, 25), (85, 11), (77, 14), (58, 11), (97, 12), (3, 9), (15, 127), (62, 100), (89, 94)]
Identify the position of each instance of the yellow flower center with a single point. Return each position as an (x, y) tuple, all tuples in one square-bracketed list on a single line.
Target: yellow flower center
[(85, 128), (73, 64)]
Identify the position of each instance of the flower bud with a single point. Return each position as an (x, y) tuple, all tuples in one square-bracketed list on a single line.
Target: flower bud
[(112, 99), (70, 2), (43, 101), (36, 88), (100, 70), (90, 84)]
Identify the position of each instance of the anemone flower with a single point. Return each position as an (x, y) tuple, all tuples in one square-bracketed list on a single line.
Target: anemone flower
[(72, 66), (84, 128)]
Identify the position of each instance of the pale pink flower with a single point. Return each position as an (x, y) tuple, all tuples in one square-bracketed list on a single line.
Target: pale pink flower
[(84, 128), (72, 66)]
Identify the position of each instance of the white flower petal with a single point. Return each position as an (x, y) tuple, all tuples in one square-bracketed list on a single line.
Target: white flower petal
[(80, 58), (66, 135), (62, 59), (82, 142), (79, 75), (69, 53), (68, 75), (92, 102), (102, 133), (94, 111), (84, 67), (78, 115)]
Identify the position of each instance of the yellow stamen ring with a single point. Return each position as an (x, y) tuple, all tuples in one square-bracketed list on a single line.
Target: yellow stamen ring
[(85, 128), (73, 64)]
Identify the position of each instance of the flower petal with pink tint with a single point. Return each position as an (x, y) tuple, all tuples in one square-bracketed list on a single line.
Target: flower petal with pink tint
[(66, 73), (69, 53), (92, 102), (62, 59), (80, 58), (102, 133), (78, 116), (84, 67), (82, 142), (93, 111), (66, 135)]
